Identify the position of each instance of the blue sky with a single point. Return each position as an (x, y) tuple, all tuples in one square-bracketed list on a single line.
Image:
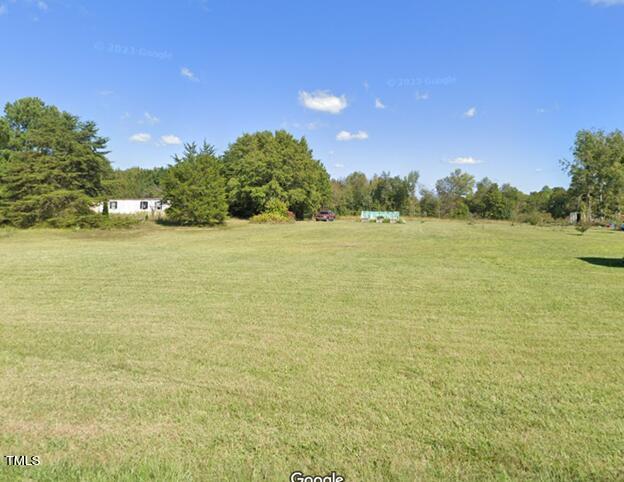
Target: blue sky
[(498, 88)]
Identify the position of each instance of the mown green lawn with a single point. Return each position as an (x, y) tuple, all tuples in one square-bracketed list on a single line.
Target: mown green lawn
[(436, 350)]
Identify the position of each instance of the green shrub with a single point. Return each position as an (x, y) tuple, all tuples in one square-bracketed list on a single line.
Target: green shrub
[(536, 218), (271, 218), (583, 227), (95, 221), (276, 212), (276, 206), (120, 221), (461, 211)]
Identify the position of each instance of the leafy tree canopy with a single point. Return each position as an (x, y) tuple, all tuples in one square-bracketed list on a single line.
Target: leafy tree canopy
[(559, 203), (597, 172), (429, 203), (383, 192), (357, 192), (393, 193), (453, 191), (488, 201), (136, 182), (264, 166)]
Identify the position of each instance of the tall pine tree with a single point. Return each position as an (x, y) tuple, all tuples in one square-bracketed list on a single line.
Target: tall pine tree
[(54, 165), (195, 188)]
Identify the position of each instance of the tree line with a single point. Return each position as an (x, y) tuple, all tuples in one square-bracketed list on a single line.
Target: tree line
[(596, 190), (457, 195), (54, 169)]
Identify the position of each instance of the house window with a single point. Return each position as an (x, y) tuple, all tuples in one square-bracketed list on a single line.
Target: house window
[(112, 205), (143, 204), (159, 205)]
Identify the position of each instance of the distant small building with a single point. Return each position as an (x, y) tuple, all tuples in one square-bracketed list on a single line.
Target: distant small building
[(150, 206)]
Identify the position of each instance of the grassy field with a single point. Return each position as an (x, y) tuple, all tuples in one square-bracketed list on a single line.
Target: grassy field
[(437, 350)]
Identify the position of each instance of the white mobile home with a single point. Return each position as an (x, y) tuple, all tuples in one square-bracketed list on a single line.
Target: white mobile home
[(149, 206)]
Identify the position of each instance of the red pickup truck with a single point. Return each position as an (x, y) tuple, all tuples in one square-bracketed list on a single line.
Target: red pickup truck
[(325, 216)]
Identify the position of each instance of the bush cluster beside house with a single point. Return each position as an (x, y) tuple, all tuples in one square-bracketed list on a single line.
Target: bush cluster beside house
[(54, 169)]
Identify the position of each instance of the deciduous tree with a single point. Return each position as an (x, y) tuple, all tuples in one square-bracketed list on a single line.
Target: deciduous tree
[(453, 192), (264, 166), (136, 182), (488, 201), (429, 203), (597, 172)]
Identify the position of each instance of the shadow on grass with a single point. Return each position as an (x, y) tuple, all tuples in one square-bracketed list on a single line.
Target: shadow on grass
[(606, 262)]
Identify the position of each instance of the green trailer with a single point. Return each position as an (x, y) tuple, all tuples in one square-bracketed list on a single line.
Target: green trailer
[(380, 216)]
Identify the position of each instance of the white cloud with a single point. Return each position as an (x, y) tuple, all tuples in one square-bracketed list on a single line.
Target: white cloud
[(141, 137), (539, 169), (349, 136), (339, 166), (606, 3), (379, 104), (3, 9), (422, 96), (465, 161), (323, 101), (149, 119), (366, 85), (125, 115), (188, 73), (170, 140), (105, 93), (470, 113), (42, 6)]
